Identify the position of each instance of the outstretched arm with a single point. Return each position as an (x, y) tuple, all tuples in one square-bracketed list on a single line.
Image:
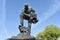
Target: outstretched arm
[(32, 10)]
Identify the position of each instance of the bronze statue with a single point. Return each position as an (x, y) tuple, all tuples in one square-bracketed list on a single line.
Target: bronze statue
[(29, 15)]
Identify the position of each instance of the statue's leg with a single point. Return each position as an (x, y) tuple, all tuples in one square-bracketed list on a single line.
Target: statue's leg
[(21, 20), (29, 27), (21, 23)]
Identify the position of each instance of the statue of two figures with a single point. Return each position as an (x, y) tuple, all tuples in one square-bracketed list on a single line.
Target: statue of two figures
[(29, 15)]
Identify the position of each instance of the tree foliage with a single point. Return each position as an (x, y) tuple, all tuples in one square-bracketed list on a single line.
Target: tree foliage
[(51, 32)]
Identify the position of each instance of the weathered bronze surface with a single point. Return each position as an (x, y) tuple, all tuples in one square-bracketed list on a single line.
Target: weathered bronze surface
[(29, 15)]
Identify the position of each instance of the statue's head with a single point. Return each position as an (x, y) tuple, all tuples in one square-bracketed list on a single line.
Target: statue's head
[(26, 6), (34, 20)]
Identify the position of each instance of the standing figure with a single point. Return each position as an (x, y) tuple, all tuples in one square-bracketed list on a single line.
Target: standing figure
[(29, 15)]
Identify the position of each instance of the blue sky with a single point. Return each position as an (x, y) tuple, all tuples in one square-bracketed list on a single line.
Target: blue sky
[(48, 12)]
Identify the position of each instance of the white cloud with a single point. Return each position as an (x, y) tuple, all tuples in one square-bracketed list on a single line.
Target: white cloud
[(3, 30), (50, 12), (3, 16)]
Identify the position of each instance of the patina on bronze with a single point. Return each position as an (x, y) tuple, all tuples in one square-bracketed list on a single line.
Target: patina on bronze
[(29, 15)]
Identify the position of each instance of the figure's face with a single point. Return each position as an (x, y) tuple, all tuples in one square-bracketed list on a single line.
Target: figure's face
[(26, 7)]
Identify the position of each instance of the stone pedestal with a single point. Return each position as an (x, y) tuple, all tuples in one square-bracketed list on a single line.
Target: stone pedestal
[(23, 36), (26, 39)]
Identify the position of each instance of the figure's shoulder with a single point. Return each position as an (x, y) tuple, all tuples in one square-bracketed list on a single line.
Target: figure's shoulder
[(29, 8)]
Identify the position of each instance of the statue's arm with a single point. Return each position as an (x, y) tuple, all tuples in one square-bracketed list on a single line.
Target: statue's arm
[(32, 10), (25, 13)]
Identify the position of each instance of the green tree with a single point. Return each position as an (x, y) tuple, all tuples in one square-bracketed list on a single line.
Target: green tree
[(51, 32)]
